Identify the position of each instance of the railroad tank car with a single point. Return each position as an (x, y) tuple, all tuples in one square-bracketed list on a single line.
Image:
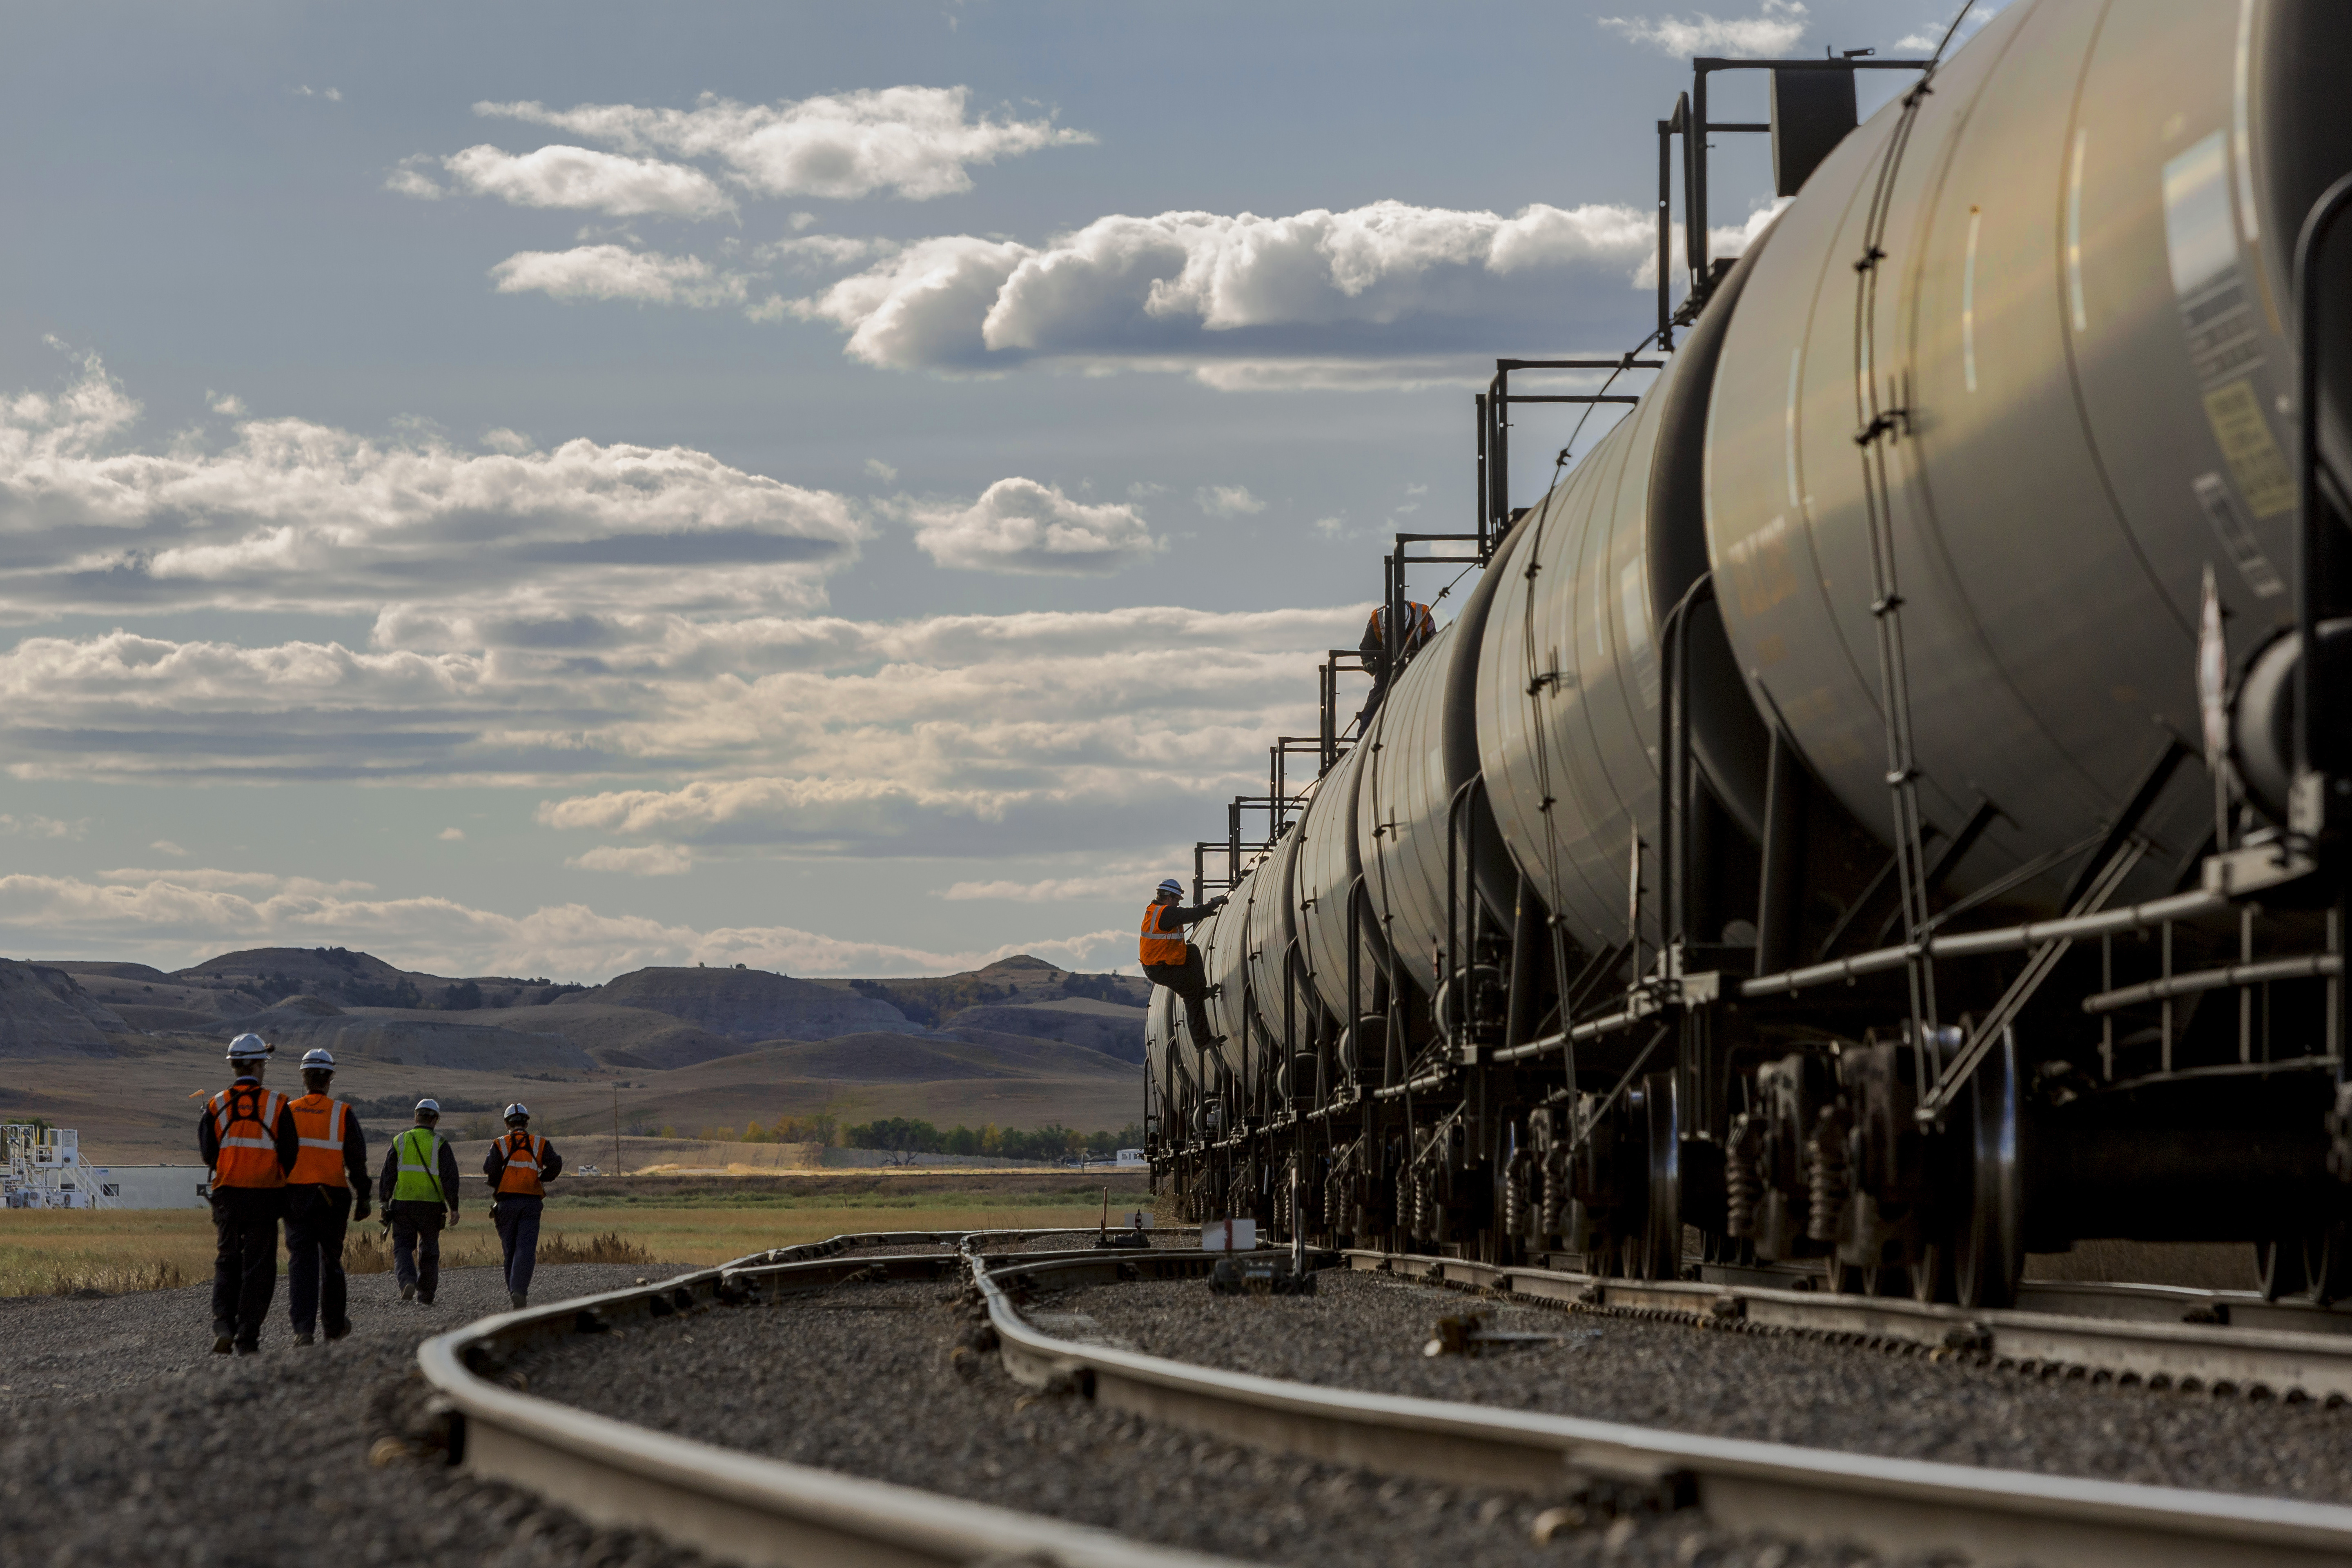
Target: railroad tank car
[(1860, 816)]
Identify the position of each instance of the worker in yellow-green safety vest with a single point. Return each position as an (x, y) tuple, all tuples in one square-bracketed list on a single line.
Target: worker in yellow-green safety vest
[(418, 1185)]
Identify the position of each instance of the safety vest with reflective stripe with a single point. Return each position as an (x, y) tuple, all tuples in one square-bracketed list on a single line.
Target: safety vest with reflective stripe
[(419, 1180), (1163, 940), (246, 1118), (319, 1121), (522, 1174)]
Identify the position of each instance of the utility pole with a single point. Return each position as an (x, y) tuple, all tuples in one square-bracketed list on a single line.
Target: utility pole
[(617, 1129)]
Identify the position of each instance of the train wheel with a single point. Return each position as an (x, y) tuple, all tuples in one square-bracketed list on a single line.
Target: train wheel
[(1883, 1280), (1654, 1241), (1931, 1277), (1989, 1256), (2327, 1263), (2279, 1266)]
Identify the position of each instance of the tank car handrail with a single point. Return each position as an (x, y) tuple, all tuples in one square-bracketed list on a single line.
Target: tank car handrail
[(2002, 939), (2310, 966)]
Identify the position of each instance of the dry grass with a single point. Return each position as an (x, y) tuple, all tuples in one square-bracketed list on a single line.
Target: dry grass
[(48, 1251), (368, 1250)]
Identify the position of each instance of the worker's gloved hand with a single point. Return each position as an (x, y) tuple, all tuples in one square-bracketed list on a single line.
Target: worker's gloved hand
[(360, 1210), (1218, 902), (452, 1217)]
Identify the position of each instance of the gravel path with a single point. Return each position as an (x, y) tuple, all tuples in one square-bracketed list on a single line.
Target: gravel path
[(877, 1380), (126, 1440), (1367, 1331)]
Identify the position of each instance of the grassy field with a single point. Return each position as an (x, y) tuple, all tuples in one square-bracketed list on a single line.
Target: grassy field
[(663, 1220)]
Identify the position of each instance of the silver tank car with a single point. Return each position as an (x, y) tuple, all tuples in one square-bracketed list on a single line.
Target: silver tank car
[(1699, 878), (2079, 338)]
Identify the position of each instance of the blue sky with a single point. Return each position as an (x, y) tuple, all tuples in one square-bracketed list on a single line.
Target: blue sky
[(539, 489)]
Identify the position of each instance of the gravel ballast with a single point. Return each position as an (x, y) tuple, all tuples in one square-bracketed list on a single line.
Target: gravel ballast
[(126, 1440), (877, 1380), (1368, 1331)]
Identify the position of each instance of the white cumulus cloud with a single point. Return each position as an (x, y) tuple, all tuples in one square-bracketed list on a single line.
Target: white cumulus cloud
[(1774, 30), (641, 860), (914, 142), (294, 515), (581, 177), (1020, 525), (616, 272), (1227, 500), (1313, 298)]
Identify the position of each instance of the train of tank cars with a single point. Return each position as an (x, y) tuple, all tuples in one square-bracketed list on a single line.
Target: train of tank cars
[(1875, 814)]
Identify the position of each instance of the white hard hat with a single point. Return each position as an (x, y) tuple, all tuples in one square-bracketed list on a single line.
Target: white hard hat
[(432, 1105), (249, 1047), (319, 1059), (517, 1110)]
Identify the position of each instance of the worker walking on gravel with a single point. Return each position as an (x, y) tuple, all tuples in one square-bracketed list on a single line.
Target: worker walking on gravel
[(325, 1190), (1169, 959), (418, 1185), (247, 1136), (518, 1167)]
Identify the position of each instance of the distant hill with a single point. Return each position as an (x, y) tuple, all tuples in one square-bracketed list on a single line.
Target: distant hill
[(353, 979), (45, 1012), (1020, 979), (931, 1058), (749, 1005), (1108, 1027)]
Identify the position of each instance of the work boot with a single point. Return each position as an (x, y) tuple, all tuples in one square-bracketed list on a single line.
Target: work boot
[(519, 1299), (424, 1297), (338, 1331), (249, 1347), (224, 1335), (408, 1293), (306, 1339)]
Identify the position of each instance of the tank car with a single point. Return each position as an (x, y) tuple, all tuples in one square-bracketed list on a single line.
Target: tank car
[(1876, 815)]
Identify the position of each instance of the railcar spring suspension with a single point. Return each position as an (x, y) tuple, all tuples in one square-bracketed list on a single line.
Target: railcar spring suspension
[(1514, 1196), (1830, 1180), (1743, 1175)]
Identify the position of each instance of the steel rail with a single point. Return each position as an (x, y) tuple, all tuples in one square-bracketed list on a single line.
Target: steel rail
[(2144, 1332), (738, 1506), (1894, 1506)]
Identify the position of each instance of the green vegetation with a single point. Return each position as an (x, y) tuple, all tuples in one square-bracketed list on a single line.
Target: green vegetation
[(1051, 1141)]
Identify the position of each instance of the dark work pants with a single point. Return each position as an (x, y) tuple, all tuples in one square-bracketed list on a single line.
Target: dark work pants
[(316, 1219), (416, 1244), (245, 1261), (1189, 981), (517, 1217)]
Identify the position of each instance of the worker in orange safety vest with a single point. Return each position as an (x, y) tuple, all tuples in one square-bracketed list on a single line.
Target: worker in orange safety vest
[(518, 1167), (330, 1173), (247, 1135), (1169, 959), (1417, 625)]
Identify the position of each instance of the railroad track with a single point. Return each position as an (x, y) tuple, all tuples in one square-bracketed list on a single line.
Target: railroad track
[(742, 1508), (1896, 1506), (734, 1506), (2224, 1341)]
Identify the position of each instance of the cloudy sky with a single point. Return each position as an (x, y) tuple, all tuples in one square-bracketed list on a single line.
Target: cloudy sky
[(550, 488)]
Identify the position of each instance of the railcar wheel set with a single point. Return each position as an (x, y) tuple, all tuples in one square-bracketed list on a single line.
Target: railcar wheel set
[(1880, 813)]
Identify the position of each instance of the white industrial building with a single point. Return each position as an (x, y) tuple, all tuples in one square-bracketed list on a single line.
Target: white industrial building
[(45, 1171)]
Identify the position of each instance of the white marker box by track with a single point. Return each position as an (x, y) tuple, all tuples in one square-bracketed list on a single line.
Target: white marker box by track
[(1229, 1235)]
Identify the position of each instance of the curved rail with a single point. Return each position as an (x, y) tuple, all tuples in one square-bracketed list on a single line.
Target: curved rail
[(2157, 1333), (736, 1506), (1894, 1506)]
